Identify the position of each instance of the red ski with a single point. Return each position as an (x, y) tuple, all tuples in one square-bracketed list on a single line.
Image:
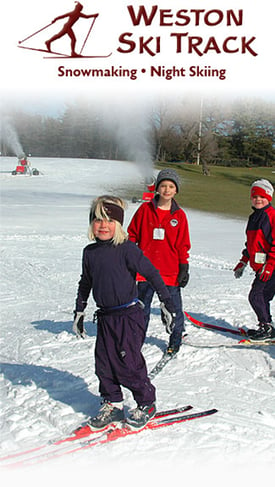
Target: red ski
[(209, 326)]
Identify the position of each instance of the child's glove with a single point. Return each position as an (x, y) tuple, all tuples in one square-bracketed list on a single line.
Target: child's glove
[(238, 270), (183, 276), (266, 272), (78, 325), (168, 314)]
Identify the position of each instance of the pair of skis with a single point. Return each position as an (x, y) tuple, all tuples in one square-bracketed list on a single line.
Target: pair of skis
[(245, 341), (83, 438)]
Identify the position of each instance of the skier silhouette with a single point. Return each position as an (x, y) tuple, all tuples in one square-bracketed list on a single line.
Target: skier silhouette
[(74, 15)]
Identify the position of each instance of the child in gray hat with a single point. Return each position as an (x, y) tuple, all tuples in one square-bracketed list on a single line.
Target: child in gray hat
[(160, 228)]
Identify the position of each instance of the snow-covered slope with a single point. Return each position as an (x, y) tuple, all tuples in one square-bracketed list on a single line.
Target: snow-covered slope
[(47, 382)]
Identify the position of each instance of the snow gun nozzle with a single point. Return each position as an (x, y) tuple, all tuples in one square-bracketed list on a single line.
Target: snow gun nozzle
[(150, 183)]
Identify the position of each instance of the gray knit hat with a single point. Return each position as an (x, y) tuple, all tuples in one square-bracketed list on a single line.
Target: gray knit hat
[(170, 175)]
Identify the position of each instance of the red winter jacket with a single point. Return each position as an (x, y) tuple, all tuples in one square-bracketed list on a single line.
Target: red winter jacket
[(166, 254), (260, 233)]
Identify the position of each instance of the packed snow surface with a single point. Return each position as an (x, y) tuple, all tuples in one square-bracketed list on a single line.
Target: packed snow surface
[(48, 384)]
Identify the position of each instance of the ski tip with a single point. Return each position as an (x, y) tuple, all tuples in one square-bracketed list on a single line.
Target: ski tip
[(213, 411)]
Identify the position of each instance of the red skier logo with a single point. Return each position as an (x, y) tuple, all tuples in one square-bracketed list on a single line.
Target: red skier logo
[(73, 16)]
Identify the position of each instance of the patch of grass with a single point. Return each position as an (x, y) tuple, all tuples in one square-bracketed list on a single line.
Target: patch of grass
[(226, 190)]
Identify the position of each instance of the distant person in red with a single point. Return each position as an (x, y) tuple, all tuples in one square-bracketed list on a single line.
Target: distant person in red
[(73, 16), (23, 161)]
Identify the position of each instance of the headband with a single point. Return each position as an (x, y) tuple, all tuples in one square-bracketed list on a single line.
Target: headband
[(113, 211), (257, 191)]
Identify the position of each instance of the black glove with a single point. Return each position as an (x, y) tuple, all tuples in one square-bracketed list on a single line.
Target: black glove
[(183, 276), (238, 270), (168, 314), (78, 324)]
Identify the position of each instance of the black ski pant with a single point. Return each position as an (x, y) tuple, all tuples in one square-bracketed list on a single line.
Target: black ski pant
[(118, 358), (260, 297)]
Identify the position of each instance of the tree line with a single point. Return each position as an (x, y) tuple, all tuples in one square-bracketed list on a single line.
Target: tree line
[(240, 133)]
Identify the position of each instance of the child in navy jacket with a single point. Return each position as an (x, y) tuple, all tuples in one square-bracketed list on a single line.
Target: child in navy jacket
[(109, 268), (259, 251)]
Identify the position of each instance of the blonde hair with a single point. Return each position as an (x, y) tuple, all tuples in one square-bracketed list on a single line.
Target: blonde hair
[(98, 211)]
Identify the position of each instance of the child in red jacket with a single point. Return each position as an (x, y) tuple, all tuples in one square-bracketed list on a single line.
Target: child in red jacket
[(160, 228), (259, 251)]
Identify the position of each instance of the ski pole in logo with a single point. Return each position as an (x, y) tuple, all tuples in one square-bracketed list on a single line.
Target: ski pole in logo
[(37, 32), (92, 24)]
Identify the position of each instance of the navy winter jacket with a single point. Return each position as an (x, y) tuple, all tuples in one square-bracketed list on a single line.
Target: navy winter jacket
[(110, 271)]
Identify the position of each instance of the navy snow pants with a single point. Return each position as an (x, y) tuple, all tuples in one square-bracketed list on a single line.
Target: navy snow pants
[(118, 358), (260, 296)]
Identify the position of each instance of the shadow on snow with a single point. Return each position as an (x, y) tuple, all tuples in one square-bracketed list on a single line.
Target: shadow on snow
[(61, 385), (57, 327)]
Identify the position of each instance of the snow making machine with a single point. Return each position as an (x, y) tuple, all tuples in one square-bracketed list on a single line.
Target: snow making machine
[(24, 167), (149, 192)]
